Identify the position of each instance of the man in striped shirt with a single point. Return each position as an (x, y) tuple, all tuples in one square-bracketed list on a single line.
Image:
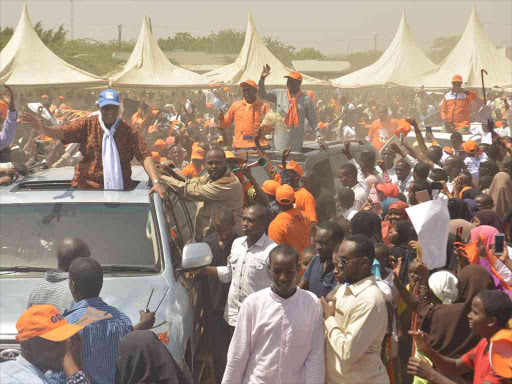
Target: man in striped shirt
[(54, 290), (100, 340)]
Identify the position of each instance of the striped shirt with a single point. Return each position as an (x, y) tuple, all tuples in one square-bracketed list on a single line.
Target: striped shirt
[(100, 341), (54, 290)]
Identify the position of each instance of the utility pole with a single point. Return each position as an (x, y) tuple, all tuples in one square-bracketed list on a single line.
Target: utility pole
[(120, 30), (72, 21), (376, 41)]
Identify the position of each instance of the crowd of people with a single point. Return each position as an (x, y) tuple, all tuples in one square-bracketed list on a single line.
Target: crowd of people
[(307, 285)]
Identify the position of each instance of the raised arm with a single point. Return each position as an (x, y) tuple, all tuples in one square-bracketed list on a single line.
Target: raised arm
[(262, 93), (55, 132)]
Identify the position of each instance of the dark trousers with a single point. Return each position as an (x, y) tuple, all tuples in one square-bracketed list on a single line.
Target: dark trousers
[(219, 335)]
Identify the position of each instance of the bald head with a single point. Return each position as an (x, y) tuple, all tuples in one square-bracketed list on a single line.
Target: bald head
[(70, 249)]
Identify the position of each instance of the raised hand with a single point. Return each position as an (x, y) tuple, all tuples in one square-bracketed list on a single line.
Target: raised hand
[(265, 72)]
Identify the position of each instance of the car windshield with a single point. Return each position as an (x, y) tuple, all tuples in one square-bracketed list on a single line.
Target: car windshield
[(120, 235)]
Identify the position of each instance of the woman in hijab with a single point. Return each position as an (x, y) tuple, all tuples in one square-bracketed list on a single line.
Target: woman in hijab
[(394, 212), (401, 233), (489, 217), (458, 209), (144, 359), (446, 324), (501, 192)]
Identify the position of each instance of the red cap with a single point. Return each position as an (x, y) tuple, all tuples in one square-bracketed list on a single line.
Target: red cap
[(390, 190), (285, 195), (44, 321), (294, 75), (249, 83)]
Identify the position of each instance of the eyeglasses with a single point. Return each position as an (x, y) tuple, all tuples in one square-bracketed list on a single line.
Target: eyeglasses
[(343, 262)]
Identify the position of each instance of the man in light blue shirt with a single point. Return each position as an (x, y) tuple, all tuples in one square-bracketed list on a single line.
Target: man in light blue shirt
[(293, 135)]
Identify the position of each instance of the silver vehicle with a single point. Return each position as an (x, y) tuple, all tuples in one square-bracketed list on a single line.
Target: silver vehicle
[(141, 241)]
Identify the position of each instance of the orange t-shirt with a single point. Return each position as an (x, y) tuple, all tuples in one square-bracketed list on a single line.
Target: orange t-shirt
[(291, 227), (190, 171), (247, 118), (306, 203), (381, 131)]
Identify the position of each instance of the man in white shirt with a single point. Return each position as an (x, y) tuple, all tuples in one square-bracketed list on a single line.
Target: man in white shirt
[(454, 166), (349, 177), (247, 268), (279, 337), (356, 319)]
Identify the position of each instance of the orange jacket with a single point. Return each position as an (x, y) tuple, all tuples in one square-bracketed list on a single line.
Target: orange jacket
[(456, 108), (247, 118), (291, 227)]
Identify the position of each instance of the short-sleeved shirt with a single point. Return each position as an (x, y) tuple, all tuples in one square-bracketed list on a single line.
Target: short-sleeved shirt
[(478, 360), (306, 203), (292, 228), (320, 282), (88, 133)]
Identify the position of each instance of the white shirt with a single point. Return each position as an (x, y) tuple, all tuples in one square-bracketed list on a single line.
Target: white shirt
[(278, 341), (349, 213), (248, 272), (361, 190), (355, 334), (473, 166)]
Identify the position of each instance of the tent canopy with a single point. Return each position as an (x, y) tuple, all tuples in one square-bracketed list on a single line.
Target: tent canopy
[(148, 67), (27, 61), (249, 64), (403, 59), (473, 53)]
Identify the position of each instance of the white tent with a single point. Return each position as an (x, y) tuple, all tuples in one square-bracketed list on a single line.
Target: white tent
[(148, 67), (403, 59), (473, 53), (26, 61), (249, 64)]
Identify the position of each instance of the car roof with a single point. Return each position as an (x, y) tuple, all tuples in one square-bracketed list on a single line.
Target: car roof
[(17, 194)]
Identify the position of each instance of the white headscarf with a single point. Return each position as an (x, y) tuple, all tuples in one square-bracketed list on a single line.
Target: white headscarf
[(444, 285), (112, 174)]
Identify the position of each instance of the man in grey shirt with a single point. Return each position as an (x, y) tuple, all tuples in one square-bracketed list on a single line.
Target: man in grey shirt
[(54, 290), (292, 135)]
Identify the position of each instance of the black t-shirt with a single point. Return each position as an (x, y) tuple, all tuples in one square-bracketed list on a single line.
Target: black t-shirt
[(214, 292)]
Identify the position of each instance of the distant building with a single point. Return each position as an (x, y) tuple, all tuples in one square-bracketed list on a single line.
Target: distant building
[(322, 69), (199, 62)]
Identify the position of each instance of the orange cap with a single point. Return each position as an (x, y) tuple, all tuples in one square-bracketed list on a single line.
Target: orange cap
[(374, 108), (390, 190), (197, 153), (3, 110), (448, 150), (294, 75), (44, 321), (152, 128), (322, 125), (311, 94), (457, 79), (209, 105), (61, 98), (249, 83), (163, 159), (285, 195), (270, 187), (44, 96), (170, 140), (294, 166), (156, 157), (500, 354), (226, 89), (470, 147), (159, 144)]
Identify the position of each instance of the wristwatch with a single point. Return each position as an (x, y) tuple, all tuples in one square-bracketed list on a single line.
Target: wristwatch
[(157, 181)]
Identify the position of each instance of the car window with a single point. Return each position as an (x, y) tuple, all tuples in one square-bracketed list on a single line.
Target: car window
[(180, 226), (117, 234)]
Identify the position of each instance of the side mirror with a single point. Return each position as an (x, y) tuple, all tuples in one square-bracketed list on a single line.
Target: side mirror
[(196, 255)]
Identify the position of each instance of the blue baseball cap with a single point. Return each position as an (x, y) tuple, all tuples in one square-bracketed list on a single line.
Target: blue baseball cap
[(108, 97)]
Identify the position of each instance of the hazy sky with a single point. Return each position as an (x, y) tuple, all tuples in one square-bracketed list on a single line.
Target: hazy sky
[(327, 25)]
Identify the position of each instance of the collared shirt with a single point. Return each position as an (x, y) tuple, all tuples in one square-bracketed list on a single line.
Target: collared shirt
[(54, 290), (87, 131), (320, 282), (284, 138), (247, 118), (248, 272), (278, 341), (9, 131), (213, 196), (21, 371), (100, 341), (355, 334)]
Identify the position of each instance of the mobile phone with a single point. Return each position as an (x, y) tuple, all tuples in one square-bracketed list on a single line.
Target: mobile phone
[(499, 244), (459, 234), (437, 185), (40, 148), (428, 129)]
